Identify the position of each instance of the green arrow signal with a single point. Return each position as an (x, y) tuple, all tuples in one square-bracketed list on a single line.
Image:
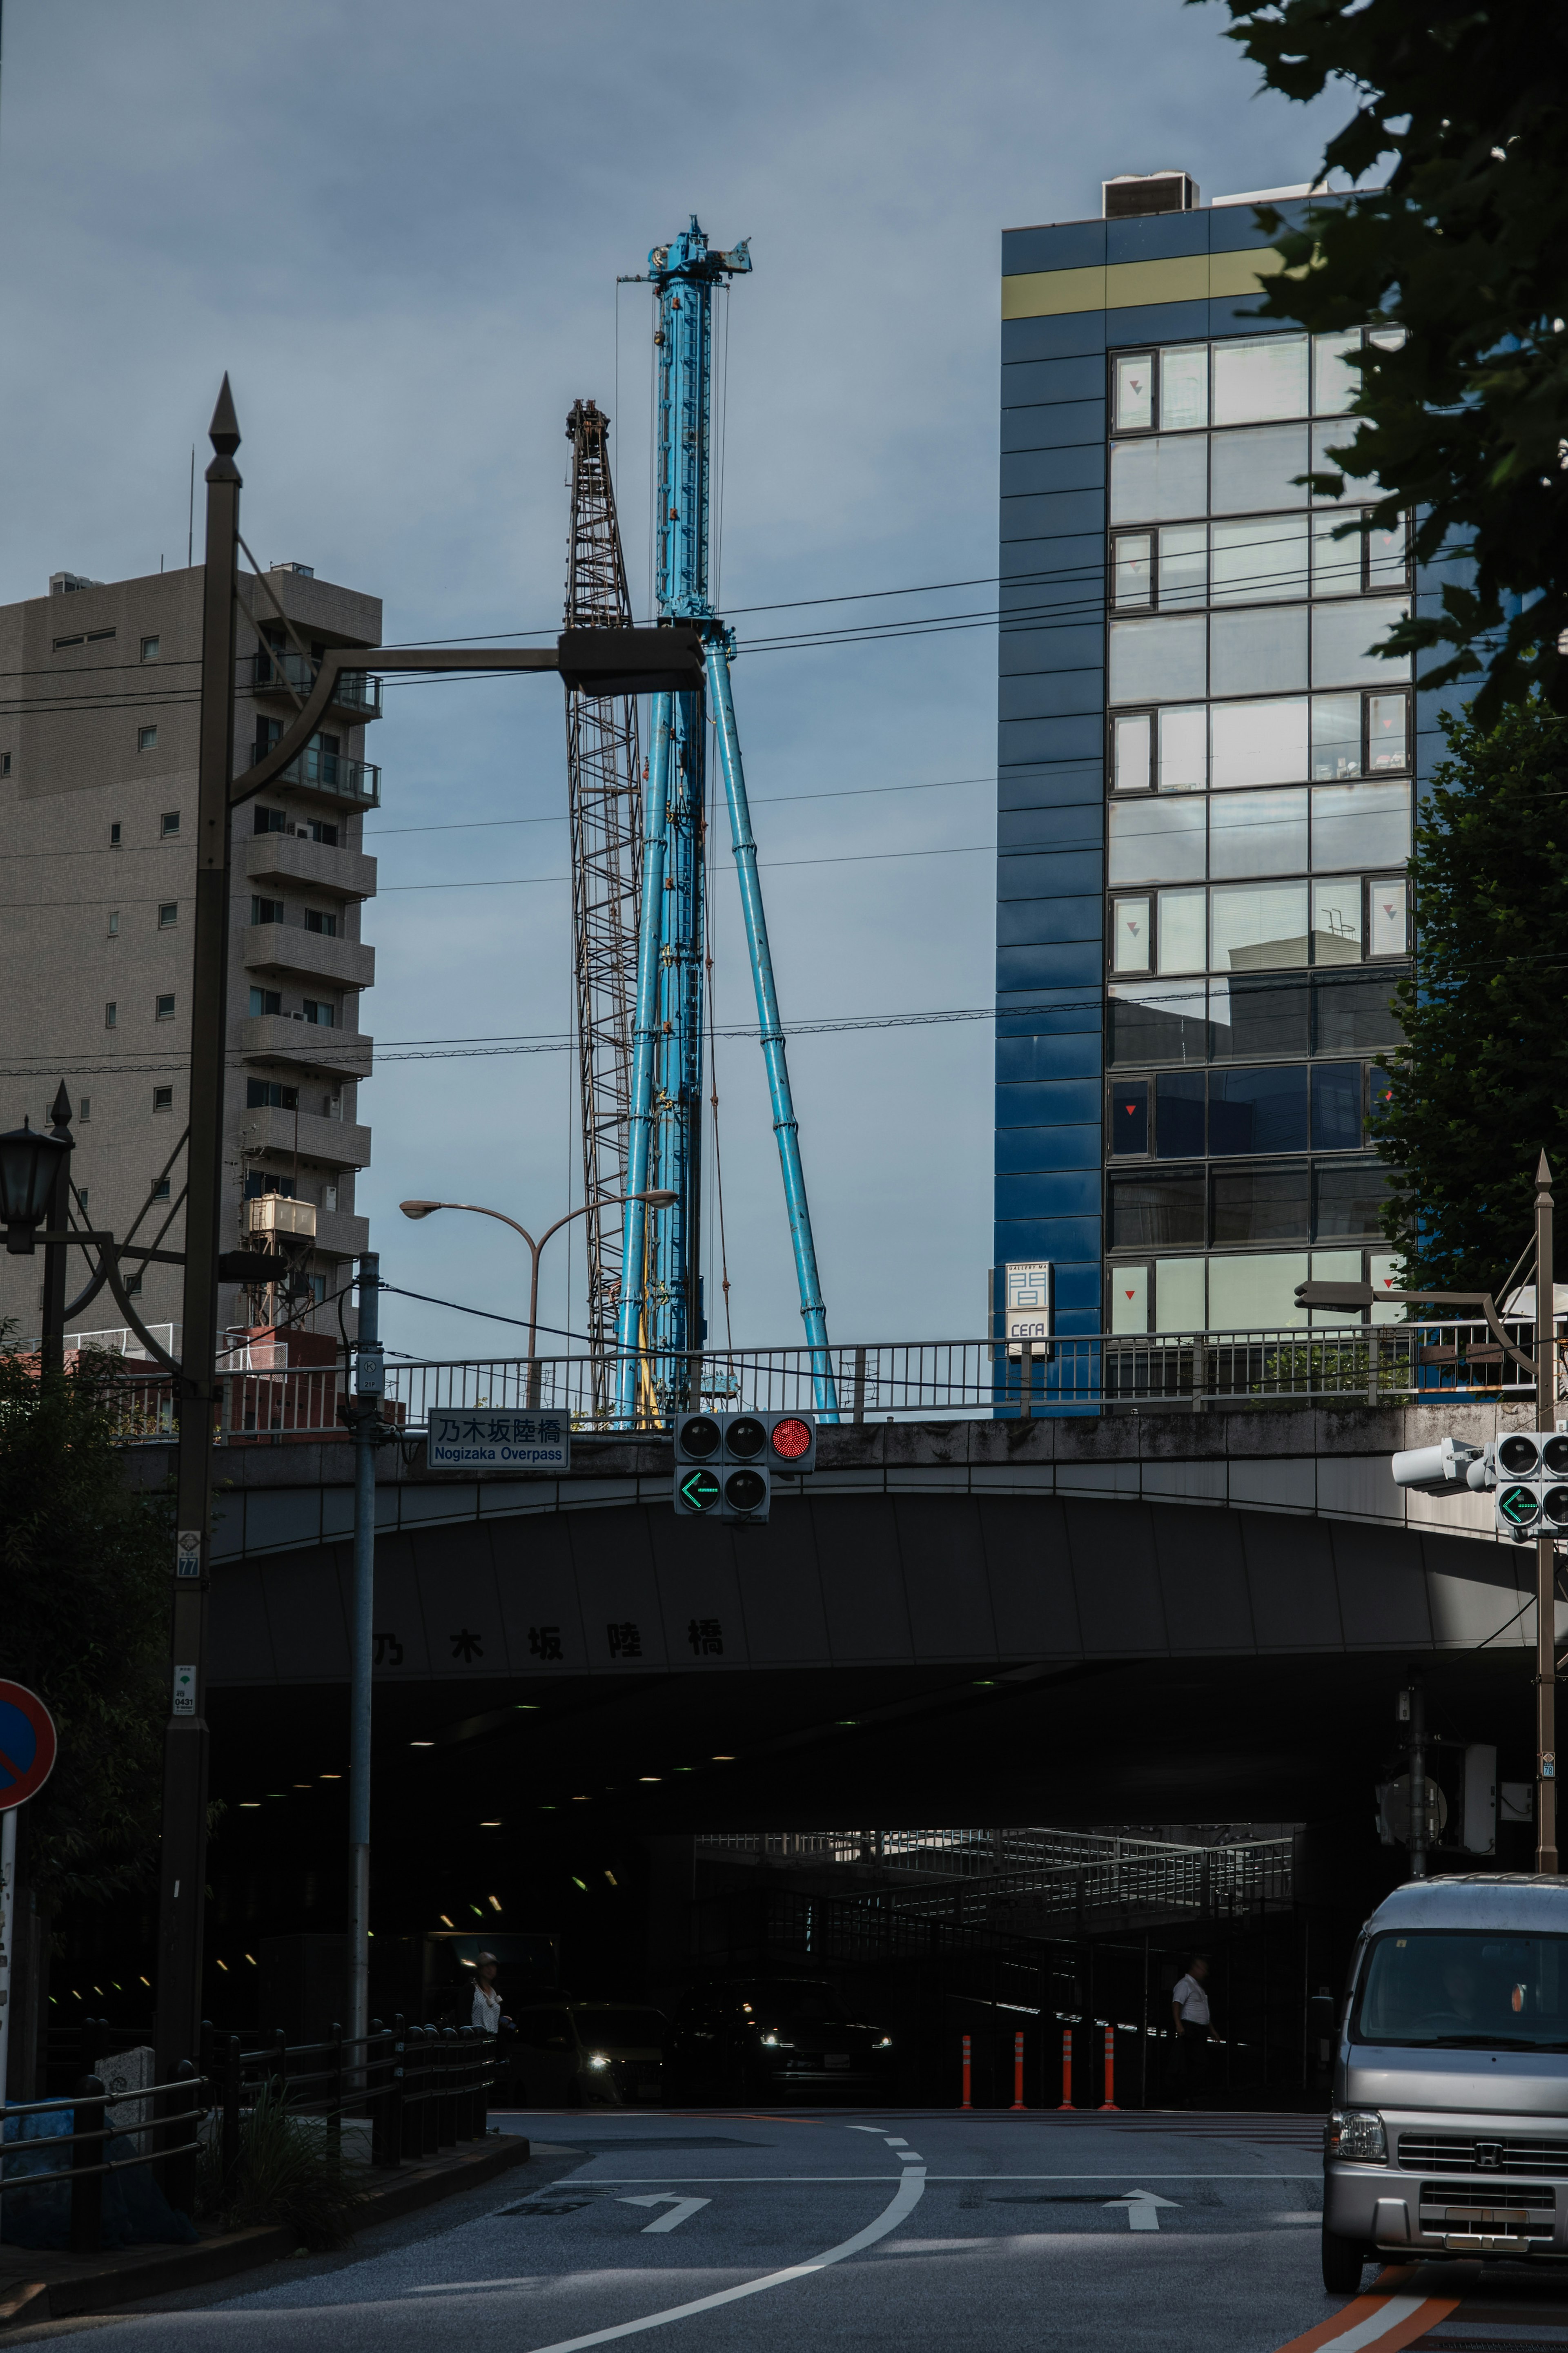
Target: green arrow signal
[(1518, 1504), (698, 1491)]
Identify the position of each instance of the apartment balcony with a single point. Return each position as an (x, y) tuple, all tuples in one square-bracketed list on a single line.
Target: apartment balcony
[(306, 1045), (288, 950), (341, 1235), (294, 857), (333, 776), (357, 695), (329, 1143)]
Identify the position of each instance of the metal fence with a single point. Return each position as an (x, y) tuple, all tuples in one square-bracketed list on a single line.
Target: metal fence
[(1139, 1879)]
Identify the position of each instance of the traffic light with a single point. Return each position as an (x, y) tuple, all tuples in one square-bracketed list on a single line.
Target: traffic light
[(724, 1461), (1528, 1471)]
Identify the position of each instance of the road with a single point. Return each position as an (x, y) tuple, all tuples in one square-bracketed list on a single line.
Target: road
[(731, 2231)]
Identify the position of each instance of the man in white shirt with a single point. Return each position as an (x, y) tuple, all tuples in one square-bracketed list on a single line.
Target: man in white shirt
[(1195, 2027)]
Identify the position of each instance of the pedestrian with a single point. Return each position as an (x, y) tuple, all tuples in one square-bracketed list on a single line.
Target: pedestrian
[(487, 2011), (1195, 2028)]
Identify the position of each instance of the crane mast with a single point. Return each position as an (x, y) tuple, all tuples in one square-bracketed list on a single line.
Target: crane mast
[(605, 792), (660, 1331)]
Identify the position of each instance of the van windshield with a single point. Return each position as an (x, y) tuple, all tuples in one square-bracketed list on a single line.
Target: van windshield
[(1465, 1989)]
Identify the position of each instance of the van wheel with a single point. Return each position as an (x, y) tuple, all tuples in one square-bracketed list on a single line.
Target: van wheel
[(1344, 2260)]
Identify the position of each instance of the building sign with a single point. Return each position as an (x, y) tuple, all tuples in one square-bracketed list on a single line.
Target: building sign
[(480, 1437), (1028, 1304)]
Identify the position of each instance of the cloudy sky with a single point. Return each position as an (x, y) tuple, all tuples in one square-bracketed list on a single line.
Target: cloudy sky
[(399, 225)]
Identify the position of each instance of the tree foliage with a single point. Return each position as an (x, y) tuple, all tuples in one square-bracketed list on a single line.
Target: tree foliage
[(1484, 1088), (84, 1587), (1464, 246)]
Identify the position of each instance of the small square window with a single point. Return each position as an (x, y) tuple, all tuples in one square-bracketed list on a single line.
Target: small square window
[(81, 1197), (265, 1000), (169, 823), (166, 1009), (111, 1015), (168, 914), (114, 842), (114, 922), (266, 910), (134, 1286), (150, 648), (146, 739), (161, 1191), (162, 1098), (84, 1108)]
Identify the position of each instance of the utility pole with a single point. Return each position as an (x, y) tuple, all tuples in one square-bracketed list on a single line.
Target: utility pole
[(1418, 1770), (183, 1861), (370, 1381), (1545, 1545), (53, 1348)]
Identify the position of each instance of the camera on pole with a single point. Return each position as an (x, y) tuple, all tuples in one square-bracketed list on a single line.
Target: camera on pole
[(724, 1462)]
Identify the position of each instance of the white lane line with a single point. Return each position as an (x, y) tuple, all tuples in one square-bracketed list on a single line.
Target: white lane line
[(683, 2208), (894, 2141), (1394, 2309), (870, 2128), (909, 2191)]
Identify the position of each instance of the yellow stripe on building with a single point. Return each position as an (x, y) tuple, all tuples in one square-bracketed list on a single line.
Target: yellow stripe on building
[(1121, 285)]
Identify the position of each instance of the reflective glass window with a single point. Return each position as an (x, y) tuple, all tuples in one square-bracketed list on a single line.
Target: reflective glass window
[(1259, 560), (1158, 840), (1258, 650), (1165, 1211), (1179, 1114), (1130, 1116), (1258, 833), (1358, 489), (1157, 1021), (1388, 555), (1182, 931), (1387, 924), (1258, 926), (1334, 384), (1336, 1106), (1183, 750), (1336, 563), (1157, 660), (1257, 1110), (1359, 824), (1179, 1304), (1258, 743), (1379, 1098), (1344, 637), (1337, 921), (1260, 376), (1263, 1204), (1130, 928), (1387, 731), (1130, 740), (1159, 480), (1257, 1293), (1251, 1017), (1183, 386), (1350, 1201), (1254, 471), (1184, 566), (1351, 1016), (1132, 569), (1134, 392), (1336, 735)]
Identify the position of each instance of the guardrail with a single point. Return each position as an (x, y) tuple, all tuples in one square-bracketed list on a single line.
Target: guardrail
[(1347, 1365)]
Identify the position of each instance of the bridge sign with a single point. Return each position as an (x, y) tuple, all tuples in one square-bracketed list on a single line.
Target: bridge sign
[(26, 1745), (481, 1436)]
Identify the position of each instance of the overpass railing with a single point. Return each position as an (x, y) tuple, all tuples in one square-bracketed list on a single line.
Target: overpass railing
[(1349, 1364), (1139, 1878)]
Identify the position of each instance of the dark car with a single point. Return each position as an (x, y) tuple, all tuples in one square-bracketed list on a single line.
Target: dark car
[(763, 2037), (576, 2055)]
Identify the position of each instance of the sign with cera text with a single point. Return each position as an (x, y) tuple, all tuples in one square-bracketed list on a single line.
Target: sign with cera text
[(481, 1436)]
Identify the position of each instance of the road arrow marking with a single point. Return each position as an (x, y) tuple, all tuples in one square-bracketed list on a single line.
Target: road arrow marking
[(1141, 2208), (681, 2208)]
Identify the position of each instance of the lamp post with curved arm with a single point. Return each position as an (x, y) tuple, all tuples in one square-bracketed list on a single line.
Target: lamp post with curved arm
[(659, 1198)]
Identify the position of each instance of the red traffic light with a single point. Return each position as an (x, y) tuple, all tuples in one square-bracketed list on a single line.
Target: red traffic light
[(791, 1439)]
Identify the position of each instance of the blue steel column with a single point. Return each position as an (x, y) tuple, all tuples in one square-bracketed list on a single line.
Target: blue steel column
[(825, 1394), (645, 1057)]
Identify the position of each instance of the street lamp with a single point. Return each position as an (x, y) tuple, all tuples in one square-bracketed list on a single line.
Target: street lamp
[(29, 1161), (660, 1198)]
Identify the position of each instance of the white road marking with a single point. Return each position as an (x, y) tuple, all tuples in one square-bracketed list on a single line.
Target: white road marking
[(910, 2189), (1141, 2208), (870, 2128), (682, 2209), (894, 2141), (1377, 2324)]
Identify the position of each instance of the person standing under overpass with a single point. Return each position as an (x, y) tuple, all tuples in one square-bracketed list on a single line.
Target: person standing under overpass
[(1195, 2029)]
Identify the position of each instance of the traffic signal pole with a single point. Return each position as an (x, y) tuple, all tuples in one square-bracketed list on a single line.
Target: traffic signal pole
[(1546, 1546)]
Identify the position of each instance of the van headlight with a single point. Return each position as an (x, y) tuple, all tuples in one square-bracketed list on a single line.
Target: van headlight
[(1357, 2133), (598, 2060)]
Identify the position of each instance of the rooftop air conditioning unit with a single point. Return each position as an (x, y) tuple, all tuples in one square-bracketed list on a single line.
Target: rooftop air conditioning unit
[(1130, 194), (280, 1215)]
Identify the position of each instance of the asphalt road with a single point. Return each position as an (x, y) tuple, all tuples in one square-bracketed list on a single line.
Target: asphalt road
[(738, 2232)]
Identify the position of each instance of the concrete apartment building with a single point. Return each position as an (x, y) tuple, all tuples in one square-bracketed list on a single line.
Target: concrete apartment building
[(97, 820)]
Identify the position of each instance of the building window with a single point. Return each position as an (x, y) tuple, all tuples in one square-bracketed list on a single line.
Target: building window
[(81, 1197), (318, 920), (84, 1108), (164, 1008), (114, 922), (5, 764), (134, 1286), (169, 823), (168, 914), (114, 841), (151, 648), (161, 1191), (271, 820), (266, 910), (327, 835), (271, 1094), (146, 739), (111, 1015), (265, 1000), (321, 1012), (162, 1098), (258, 1183)]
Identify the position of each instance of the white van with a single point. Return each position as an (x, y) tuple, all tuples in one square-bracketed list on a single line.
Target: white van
[(1449, 2129)]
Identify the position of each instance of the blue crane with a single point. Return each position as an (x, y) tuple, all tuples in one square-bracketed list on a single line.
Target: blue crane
[(659, 1333)]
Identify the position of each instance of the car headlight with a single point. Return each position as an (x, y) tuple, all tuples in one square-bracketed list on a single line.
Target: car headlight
[(771, 2041), (598, 2060), (883, 2042), (1357, 2133)]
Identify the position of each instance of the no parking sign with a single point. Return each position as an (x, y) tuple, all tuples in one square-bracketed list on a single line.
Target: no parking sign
[(26, 1745)]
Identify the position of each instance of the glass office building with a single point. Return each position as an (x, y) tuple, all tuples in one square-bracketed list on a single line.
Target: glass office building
[(1207, 778)]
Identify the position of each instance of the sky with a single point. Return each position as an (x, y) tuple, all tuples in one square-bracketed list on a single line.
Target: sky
[(399, 227)]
